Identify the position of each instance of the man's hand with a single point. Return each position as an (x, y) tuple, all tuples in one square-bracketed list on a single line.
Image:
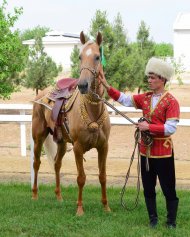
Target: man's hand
[(143, 126)]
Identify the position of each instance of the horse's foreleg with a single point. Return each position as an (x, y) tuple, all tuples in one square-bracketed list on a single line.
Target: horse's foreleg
[(81, 178), (102, 156), (61, 149)]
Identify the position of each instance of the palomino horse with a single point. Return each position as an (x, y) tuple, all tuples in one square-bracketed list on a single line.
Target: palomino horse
[(88, 122)]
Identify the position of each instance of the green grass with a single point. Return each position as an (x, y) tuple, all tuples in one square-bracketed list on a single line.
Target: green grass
[(20, 216)]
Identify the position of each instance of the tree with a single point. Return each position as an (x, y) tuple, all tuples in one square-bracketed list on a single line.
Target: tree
[(164, 50), (115, 47), (146, 49), (75, 70), (41, 69), (12, 53), (34, 33)]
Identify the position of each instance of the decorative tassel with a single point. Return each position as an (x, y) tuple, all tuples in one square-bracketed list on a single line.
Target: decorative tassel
[(103, 59), (147, 157)]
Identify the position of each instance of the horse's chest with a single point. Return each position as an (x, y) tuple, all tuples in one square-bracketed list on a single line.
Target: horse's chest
[(92, 139)]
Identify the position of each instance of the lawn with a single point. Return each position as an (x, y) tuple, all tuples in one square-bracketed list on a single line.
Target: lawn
[(20, 216)]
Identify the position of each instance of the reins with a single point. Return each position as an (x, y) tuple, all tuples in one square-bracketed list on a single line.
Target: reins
[(147, 139)]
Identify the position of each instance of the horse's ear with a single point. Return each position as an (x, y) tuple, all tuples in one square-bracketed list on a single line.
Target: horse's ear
[(99, 38), (82, 37)]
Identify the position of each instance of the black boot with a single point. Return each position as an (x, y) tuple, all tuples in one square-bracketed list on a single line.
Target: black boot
[(172, 207), (151, 207)]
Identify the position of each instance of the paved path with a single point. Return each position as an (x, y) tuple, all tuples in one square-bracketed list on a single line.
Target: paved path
[(18, 170)]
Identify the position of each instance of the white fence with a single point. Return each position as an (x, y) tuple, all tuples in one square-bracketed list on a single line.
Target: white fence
[(22, 117)]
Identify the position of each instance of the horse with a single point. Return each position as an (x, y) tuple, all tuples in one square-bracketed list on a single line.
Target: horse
[(88, 123)]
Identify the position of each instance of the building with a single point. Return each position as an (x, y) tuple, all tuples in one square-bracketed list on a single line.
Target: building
[(59, 46), (181, 29)]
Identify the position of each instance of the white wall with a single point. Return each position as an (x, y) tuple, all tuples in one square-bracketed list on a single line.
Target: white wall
[(182, 47), (60, 53)]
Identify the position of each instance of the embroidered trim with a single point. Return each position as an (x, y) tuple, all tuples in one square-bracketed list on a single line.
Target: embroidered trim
[(157, 157), (85, 117)]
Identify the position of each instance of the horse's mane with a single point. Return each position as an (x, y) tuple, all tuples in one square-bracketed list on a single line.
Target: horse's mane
[(84, 45)]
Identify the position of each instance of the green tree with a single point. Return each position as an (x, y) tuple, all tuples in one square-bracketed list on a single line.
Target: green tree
[(125, 62), (75, 71), (41, 69), (135, 68), (38, 31), (146, 49), (164, 50), (29, 34), (12, 52), (115, 47)]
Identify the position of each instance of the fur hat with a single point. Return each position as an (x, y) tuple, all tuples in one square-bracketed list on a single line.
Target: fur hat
[(159, 67)]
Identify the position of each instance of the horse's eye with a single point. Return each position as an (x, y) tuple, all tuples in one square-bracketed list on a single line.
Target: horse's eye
[(97, 58), (79, 57)]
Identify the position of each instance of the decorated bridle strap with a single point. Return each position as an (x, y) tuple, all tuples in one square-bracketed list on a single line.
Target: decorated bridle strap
[(92, 70)]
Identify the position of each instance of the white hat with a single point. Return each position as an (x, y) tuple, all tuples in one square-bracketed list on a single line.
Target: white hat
[(159, 67)]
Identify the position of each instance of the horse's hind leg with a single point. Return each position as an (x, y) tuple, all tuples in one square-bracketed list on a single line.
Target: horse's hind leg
[(39, 134), (102, 156), (61, 149)]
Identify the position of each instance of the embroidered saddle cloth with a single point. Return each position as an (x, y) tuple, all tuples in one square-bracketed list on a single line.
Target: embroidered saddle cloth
[(60, 101)]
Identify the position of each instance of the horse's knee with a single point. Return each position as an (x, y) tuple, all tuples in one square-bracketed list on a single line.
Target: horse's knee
[(81, 180), (102, 179), (36, 165), (58, 166)]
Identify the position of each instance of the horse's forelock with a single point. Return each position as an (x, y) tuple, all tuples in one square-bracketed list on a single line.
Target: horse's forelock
[(86, 44)]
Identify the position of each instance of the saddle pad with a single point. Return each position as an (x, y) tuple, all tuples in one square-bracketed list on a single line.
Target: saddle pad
[(49, 103)]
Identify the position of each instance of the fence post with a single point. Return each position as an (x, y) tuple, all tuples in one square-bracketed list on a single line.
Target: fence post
[(23, 135), (31, 158)]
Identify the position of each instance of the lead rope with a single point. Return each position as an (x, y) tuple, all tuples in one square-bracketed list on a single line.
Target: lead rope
[(123, 190), (147, 139)]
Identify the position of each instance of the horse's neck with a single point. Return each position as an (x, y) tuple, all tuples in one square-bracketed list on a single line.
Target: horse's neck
[(93, 105)]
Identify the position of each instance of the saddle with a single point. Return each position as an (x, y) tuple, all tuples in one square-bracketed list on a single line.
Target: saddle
[(60, 101), (63, 91)]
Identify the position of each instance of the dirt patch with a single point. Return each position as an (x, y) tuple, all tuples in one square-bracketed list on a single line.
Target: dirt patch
[(16, 168)]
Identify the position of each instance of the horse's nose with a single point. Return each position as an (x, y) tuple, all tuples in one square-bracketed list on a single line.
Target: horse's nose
[(83, 87)]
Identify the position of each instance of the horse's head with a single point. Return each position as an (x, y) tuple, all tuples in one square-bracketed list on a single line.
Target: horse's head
[(89, 63)]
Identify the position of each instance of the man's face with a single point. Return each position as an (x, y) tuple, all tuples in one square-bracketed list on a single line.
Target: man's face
[(155, 82)]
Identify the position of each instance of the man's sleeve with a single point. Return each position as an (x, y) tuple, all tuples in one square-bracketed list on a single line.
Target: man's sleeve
[(138, 101), (113, 93)]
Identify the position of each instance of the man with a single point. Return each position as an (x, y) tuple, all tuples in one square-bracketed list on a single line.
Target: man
[(162, 110)]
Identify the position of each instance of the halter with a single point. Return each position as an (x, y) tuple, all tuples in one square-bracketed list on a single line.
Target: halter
[(95, 74), (92, 70)]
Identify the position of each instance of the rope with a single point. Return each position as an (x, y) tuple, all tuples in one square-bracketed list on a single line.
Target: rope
[(123, 190)]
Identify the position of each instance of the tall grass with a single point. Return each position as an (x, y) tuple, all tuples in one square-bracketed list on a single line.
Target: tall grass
[(20, 216)]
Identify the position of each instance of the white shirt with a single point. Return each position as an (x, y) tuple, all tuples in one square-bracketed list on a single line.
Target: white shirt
[(170, 126)]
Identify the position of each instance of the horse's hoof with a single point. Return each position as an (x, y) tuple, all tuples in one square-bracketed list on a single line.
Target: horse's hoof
[(34, 197), (80, 211), (107, 208), (59, 198)]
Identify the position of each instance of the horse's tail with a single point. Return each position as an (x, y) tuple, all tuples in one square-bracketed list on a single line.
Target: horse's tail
[(50, 148)]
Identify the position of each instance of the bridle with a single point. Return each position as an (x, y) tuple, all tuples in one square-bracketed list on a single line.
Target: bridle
[(94, 72)]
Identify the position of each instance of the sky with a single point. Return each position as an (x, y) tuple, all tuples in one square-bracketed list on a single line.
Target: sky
[(73, 16)]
